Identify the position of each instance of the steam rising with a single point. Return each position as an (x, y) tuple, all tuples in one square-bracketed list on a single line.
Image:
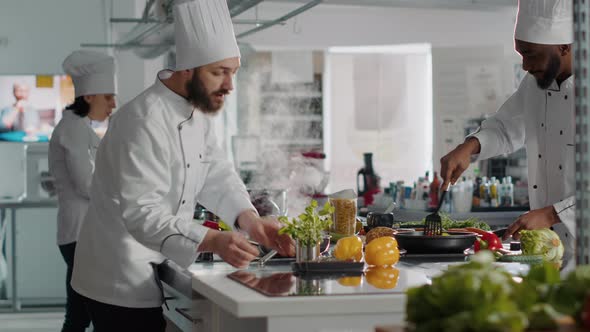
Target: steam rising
[(288, 119)]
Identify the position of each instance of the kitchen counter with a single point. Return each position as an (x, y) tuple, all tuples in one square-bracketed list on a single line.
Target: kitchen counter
[(222, 304)]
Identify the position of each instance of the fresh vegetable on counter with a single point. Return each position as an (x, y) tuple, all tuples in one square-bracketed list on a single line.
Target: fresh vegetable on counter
[(572, 295), (309, 226), (476, 296), (543, 242), (486, 240), (224, 227), (585, 316), (378, 232), (349, 249), (523, 259), (448, 223), (382, 251), (480, 296), (533, 295)]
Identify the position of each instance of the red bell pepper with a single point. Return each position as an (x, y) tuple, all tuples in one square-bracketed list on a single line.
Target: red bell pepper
[(211, 224), (487, 241)]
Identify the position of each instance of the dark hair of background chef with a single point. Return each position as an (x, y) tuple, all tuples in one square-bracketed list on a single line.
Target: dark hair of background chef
[(80, 107)]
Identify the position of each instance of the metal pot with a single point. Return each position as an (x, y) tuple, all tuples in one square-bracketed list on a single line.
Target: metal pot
[(305, 253)]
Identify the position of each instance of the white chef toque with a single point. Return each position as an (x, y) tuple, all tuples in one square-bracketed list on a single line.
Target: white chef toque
[(548, 22), (204, 33), (92, 72)]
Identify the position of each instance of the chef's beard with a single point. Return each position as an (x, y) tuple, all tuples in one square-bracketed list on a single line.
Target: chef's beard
[(199, 98), (550, 73)]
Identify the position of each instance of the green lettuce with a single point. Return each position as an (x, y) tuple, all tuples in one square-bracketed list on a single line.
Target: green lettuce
[(543, 242), (476, 296), (571, 294)]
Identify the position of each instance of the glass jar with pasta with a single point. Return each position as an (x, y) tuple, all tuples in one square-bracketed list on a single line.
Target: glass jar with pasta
[(344, 217)]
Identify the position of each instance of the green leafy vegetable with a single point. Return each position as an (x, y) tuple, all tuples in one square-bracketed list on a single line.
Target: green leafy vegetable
[(308, 227), (224, 227), (571, 294), (476, 296), (542, 242), (448, 222), (542, 316), (534, 293)]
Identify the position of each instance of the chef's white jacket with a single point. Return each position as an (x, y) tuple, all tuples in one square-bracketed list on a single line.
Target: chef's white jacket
[(72, 150), (157, 160), (544, 121)]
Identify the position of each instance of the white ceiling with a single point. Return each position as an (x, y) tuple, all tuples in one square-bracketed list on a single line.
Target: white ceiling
[(451, 4)]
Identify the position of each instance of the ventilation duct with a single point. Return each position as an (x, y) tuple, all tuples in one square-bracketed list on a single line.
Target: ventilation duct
[(153, 33)]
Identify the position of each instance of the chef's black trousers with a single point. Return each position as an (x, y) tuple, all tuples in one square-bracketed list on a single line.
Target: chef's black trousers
[(111, 318), (77, 318)]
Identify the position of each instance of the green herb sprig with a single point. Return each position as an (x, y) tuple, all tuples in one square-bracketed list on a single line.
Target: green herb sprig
[(307, 227)]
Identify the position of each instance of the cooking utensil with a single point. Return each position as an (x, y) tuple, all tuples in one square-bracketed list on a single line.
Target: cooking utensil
[(266, 257), (419, 243), (433, 224)]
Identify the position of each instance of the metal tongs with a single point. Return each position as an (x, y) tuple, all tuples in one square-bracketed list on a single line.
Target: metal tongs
[(266, 257), (262, 260)]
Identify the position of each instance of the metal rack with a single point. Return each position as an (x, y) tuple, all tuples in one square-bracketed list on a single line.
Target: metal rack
[(582, 65)]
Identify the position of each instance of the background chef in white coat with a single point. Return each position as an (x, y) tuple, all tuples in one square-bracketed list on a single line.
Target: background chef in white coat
[(72, 150), (539, 115), (159, 158)]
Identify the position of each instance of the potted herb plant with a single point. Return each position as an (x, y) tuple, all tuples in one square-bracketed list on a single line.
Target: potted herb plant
[(307, 230)]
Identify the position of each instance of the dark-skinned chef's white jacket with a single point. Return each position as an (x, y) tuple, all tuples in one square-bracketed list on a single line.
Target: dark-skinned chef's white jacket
[(158, 159), (544, 122)]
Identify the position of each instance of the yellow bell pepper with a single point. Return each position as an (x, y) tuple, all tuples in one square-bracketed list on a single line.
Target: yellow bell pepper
[(350, 281), (382, 277), (349, 249), (382, 251)]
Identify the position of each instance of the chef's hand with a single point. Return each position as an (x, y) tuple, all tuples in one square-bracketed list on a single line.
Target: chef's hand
[(535, 219), (232, 247), (266, 232), (456, 162)]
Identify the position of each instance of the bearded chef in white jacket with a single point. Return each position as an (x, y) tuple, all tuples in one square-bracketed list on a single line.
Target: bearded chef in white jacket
[(157, 160), (72, 150), (539, 115)]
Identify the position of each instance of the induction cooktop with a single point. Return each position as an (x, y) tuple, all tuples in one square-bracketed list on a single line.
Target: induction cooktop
[(384, 280)]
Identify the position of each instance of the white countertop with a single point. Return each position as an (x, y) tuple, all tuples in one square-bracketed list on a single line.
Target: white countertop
[(210, 280)]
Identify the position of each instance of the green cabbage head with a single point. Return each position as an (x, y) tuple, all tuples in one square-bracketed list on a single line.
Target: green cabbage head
[(542, 242)]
